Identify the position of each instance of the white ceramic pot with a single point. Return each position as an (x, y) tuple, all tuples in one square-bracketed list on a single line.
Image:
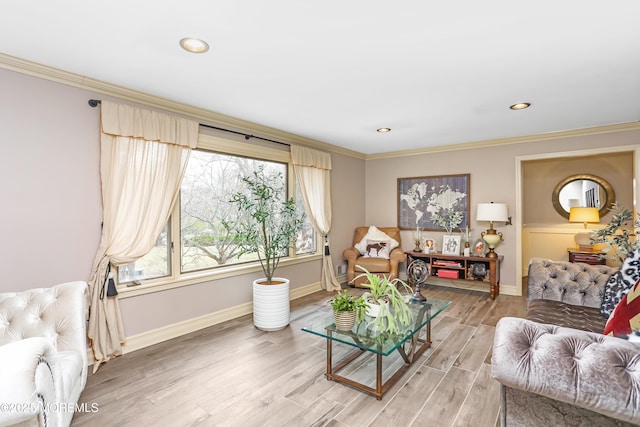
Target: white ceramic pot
[(373, 310), (271, 304)]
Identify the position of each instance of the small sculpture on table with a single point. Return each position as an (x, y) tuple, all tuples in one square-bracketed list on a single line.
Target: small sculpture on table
[(418, 273), (478, 271)]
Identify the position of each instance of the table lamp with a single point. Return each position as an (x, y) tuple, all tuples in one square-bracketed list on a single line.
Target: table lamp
[(585, 216), (492, 212)]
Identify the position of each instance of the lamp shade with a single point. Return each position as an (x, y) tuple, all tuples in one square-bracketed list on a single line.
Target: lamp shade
[(584, 215), (492, 212)]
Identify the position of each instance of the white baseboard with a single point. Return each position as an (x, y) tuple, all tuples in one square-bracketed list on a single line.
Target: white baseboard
[(155, 336)]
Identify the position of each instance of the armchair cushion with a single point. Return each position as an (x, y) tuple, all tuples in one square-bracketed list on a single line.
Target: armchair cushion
[(377, 249), (375, 234)]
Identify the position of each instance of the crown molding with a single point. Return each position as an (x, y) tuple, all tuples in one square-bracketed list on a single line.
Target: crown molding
[(34, 69), (621, 127)]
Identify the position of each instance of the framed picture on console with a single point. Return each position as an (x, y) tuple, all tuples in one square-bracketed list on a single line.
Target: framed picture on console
[(424, 201), (450, 245), (430, 246)]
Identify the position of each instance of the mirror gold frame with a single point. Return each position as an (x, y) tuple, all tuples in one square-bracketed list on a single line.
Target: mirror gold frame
[(608, 189)]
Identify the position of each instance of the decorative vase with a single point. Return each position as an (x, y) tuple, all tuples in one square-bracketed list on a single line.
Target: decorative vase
[(271, 304), (345, 320)]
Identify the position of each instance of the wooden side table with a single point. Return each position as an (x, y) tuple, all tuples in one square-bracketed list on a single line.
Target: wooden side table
[(587, 256)]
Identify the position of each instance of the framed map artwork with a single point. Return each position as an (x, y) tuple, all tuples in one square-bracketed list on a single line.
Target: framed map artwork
[(439, 203)]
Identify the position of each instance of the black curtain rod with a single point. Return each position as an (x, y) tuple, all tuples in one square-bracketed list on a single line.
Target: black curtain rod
[(95, 102)]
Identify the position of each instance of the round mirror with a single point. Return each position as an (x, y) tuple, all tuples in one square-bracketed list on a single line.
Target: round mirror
[(583, 191)]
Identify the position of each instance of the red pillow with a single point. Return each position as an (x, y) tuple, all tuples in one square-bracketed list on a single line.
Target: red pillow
[(625, 318)]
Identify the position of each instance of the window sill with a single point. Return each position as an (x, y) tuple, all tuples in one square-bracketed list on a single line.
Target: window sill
[(187, 279)]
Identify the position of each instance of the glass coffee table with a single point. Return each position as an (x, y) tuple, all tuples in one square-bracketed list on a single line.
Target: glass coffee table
[(410, 343)]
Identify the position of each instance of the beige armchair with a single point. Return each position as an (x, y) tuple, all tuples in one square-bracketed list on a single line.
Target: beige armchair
[(380, 266)]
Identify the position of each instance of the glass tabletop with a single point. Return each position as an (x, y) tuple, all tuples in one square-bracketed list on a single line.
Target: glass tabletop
[(364, 335)]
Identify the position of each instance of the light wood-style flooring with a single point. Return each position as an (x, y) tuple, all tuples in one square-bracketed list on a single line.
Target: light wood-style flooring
[(232, 374)]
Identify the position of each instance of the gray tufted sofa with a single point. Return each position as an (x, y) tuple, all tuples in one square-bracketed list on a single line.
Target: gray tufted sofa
[(43, 354), (555, 367)]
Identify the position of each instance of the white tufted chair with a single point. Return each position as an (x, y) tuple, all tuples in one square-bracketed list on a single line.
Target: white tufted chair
[(555, 367), (43, 354)]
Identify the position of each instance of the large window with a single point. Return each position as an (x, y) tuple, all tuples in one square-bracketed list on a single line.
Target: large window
[(200, 241), (209, 183)]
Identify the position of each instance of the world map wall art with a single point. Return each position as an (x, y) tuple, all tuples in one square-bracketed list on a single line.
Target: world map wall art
[(439, 203)]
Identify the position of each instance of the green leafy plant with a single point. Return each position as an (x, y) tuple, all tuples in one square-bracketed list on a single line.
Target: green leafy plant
[(344, 303), (620, 235), (394, 311), (444, 208), (270, 224)]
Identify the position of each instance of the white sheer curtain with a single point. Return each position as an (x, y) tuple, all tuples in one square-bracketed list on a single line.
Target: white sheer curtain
[(313, 172), (143, 158)]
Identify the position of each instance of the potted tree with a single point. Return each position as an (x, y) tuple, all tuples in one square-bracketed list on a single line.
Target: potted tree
[(347, 310), (387, 305), (620, 235), (268, 228)]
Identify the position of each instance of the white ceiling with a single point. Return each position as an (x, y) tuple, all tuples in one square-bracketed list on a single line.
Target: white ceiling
[(437, 73)]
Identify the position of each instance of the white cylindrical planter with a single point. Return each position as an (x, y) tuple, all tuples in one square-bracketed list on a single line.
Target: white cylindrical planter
[(271, 304)]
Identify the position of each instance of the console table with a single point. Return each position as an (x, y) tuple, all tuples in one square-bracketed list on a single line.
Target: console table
[(587, 256), (458, 267)]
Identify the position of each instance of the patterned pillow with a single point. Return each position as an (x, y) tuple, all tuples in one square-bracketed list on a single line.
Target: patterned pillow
[(377, 249), (375, 234), (625, 319), (620, 283)]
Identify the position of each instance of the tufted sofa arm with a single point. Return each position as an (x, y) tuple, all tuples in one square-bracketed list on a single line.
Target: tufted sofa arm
[(27, 382), (572, 283), (43, 350), (588, 370)]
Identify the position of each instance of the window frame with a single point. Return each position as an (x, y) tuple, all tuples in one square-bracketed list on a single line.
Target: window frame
[(176, 278)]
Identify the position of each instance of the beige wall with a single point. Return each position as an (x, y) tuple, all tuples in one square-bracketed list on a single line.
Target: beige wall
[(493, 178), (51, 214), (540, 177), (49, 183)]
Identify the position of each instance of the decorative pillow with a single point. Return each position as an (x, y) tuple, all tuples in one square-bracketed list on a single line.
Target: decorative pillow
[(374, 234), (625, 319), (377, 249), (619, 283)]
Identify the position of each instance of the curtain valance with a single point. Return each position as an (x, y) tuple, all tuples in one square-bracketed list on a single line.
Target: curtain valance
[(130, 121), (308, 157)]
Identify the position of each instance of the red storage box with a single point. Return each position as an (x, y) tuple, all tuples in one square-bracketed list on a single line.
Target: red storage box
[(448, 274)]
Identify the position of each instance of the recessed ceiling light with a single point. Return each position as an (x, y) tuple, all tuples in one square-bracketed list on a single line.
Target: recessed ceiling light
[(520, 106), (194, 45), (383, 130)]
